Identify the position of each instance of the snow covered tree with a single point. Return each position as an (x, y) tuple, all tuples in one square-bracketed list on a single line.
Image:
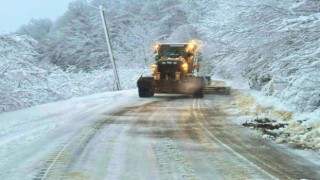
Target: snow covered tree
[(37, 28), (268, 45)]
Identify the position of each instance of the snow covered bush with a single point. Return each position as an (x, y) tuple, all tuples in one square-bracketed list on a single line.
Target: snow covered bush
[(272, 46)]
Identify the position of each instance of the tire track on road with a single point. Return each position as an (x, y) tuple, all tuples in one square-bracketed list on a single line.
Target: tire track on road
[(273, 159), (196, 109), (59, 161)]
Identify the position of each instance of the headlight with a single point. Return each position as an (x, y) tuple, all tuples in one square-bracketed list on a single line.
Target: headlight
[(185, 67), (154, 68)]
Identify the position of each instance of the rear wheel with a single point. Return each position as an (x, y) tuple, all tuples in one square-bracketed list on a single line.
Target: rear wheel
[(198, 93), (145, 92)]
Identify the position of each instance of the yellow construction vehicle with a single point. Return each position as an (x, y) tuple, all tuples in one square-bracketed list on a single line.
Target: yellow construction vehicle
[(174, 71)]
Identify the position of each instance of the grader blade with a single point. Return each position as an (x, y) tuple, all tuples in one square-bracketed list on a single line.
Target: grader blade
[(217, 87)]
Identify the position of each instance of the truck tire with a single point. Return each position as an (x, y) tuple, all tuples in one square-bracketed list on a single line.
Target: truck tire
[(198, 93), (144, 92)]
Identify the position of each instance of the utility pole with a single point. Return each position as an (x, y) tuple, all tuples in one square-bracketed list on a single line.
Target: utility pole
[(102, 11)]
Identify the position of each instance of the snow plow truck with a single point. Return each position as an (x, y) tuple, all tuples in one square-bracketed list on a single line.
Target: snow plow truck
[(174, 71)]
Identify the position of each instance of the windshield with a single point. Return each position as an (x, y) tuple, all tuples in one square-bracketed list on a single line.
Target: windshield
[(168, 51)]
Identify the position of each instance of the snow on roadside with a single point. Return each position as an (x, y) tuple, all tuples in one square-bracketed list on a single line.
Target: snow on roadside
[(73, 105), (303, 129)]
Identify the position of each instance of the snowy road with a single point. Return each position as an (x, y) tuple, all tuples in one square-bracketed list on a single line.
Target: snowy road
[(166, 137)]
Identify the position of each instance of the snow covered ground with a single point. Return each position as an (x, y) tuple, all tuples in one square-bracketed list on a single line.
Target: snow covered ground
[(40, 130)]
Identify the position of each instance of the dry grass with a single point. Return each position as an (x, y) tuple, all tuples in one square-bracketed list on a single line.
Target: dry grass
[(249, 106)]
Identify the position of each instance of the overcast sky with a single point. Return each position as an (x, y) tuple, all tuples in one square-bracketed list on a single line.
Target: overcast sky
[(14, 13)]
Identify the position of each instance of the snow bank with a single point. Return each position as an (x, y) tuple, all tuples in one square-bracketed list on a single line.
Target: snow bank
[(303, 129)]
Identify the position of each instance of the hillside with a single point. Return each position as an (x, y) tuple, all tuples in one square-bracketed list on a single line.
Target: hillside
[(267, 46), (26, 81)]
